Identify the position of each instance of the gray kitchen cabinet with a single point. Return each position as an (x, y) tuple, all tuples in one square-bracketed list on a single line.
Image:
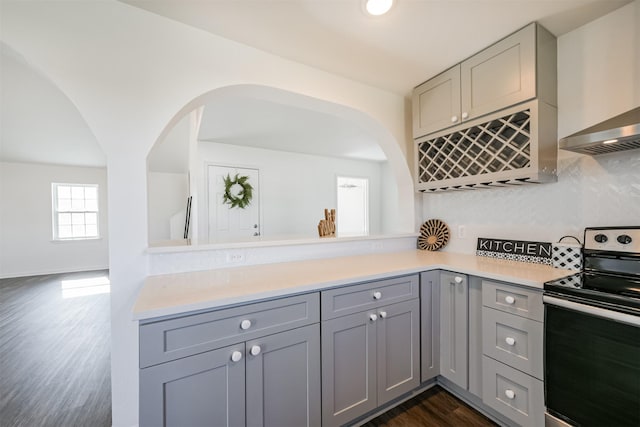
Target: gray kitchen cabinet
[(436, 103), (512, 319), (268, 376), (349, 365), (520, 67), (368, 359), (454, 314), (204, 389), (476, 336), (501, 75), (430, 324), (283, 379)]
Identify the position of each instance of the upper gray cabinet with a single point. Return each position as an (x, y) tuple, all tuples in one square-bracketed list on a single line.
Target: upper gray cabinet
[(490, 121), (436, 103), (516, 69)]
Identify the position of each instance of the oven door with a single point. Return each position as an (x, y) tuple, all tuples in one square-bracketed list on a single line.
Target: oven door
[(592, 365)]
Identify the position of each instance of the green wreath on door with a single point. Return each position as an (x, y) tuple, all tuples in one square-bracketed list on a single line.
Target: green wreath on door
[(237, 191)]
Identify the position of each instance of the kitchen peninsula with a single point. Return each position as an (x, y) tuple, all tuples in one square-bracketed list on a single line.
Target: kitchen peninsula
[(335, 341)]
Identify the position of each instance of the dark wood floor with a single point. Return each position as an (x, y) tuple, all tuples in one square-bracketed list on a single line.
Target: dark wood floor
[(54, 352), (434, 408)]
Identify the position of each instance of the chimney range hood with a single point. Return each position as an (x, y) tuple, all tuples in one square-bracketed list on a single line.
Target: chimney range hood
[(616, 134)]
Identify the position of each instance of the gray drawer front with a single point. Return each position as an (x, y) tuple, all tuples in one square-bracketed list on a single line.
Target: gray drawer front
[(352, 299), (516, 395), (176, 338), (513, 340), (513, 299)]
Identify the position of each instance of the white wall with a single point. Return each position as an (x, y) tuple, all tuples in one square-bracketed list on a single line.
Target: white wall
[(591, 191), (599, 70), (26, 240), (598, 77), (294, 188), (167, 194), (130, 73)]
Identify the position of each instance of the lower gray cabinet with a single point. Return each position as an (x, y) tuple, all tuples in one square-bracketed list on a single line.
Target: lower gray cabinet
[(205, 389), (272, 381), (283, 379), (454, 319), (368, 359), (430, 324)]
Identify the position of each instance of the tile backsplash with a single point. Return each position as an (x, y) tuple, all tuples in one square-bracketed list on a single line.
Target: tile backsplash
[(591, 191)]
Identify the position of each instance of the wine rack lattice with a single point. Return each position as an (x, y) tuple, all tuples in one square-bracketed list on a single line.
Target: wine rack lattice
[(501, 144)]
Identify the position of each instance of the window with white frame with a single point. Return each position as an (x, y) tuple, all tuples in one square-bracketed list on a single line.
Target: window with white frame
[(75, 211)]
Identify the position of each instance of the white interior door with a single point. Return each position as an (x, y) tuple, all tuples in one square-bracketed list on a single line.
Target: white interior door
[(226, 223)]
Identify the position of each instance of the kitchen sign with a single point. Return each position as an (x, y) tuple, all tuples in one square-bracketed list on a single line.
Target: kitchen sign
[(516, 250)]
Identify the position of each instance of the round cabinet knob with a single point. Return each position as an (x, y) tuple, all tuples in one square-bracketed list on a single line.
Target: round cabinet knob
[(373, 317), (245, 324), (236, 356), (465, 115), (600, 238), (509, 299), (510, 394), (454, 119), (377, 295), (624, 239), (383, 314), (255, 350), (510, 341), (458, 279)]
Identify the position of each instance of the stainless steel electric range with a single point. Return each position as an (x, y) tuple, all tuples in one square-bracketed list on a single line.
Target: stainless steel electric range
[(592, 335)]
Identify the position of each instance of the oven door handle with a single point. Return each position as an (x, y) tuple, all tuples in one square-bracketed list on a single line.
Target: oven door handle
[(594, 311)]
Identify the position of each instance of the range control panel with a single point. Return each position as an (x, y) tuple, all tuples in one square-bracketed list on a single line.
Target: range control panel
[(616, 239)]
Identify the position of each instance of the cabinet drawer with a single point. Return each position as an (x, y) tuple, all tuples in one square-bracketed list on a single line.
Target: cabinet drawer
[(176, 338), (352, 299), (513, 340), (514, 394), (513, 299)]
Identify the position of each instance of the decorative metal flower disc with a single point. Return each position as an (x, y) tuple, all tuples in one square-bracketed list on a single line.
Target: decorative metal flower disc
[(434, 234)]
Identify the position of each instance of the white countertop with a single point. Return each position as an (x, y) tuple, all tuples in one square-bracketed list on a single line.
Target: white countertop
[(182, 292)]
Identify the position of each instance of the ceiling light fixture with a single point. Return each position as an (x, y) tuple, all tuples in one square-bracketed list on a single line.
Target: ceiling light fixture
[(378, 7), (610, 141)]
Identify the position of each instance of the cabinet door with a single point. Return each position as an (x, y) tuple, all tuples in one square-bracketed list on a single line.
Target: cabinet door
[(436, 103), (453, 328), (475, 335), (502, 75), (398, 341), (430, 324), (205, 389), (283, 379), (348, 367)]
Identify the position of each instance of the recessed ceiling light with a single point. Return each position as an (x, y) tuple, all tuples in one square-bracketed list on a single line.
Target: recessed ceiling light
[(610, 141), (377, 7)]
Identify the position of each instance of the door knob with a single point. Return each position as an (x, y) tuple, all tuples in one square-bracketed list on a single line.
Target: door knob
[(465, 115), (373, 317), (509, 299), (255, 350), (377, 295), (510, 394), (383, 314), (458, 279), (510, 341), (236, 356), (255, 225)]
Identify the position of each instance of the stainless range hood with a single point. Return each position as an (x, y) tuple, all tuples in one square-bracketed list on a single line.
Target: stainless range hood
[(616, 134)]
